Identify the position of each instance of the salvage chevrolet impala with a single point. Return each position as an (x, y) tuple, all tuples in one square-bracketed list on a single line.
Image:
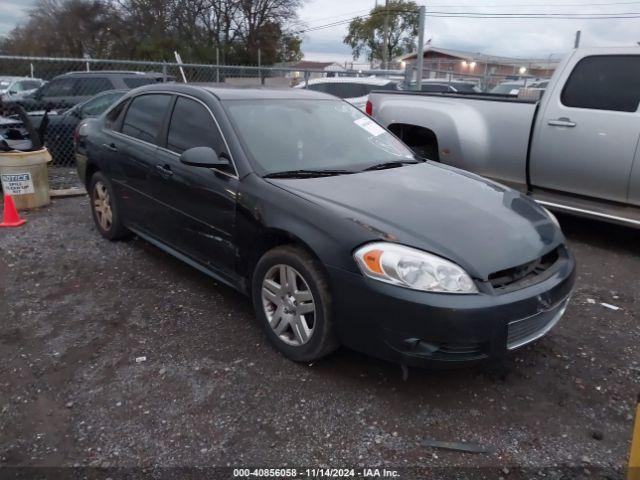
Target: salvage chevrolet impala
[(333, 227)]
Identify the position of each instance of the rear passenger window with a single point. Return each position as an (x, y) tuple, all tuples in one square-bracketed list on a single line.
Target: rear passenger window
[(192, 126), (604, 83), (112, 120), (87, 87), (61, 87), (144, 117)]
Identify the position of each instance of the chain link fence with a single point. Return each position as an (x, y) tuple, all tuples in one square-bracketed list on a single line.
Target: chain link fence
[(74, 89), (60, 92)]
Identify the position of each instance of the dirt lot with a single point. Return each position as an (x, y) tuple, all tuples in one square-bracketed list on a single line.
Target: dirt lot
[(77, 311)]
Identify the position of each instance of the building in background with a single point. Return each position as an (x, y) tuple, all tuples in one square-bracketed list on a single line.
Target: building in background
[(489, 69)]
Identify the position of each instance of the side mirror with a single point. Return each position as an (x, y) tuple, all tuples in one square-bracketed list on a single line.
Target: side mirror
[(204, 157), (12, 92)]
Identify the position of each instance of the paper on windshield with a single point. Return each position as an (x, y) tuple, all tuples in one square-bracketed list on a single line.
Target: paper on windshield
[(370, 126)]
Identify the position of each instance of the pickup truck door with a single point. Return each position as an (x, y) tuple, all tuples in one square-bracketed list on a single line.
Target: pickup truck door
[(587, 132)]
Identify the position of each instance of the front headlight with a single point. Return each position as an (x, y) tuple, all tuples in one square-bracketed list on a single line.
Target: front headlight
[(412, 268)]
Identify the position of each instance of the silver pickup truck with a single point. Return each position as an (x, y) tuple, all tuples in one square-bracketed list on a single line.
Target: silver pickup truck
[(574, 150)]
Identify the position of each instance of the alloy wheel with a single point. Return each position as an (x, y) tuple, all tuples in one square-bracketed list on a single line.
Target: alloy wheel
[(102, 205), (288, 305)]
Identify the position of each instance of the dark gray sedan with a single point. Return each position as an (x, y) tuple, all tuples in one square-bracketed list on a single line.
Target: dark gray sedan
[(332, 226)]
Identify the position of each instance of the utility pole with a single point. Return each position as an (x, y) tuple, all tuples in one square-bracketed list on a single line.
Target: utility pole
[(577, 41), (420, 57), (385, 35)]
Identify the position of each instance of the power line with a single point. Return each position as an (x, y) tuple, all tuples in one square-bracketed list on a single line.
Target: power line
[(480, 15), (604, 15)]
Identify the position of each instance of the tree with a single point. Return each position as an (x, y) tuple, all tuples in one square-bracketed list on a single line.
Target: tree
[(154, 29), (64, 28), (366, 34)]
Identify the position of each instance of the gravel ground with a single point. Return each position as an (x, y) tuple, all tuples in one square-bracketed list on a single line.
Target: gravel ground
[(116, 354)]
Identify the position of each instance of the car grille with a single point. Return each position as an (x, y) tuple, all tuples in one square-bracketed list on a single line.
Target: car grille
[(531, 328), (524, 275)]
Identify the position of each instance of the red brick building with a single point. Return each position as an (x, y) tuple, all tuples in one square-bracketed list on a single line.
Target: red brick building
[(438, 62)]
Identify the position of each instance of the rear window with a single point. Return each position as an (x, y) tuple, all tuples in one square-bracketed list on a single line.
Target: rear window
[(435, 87), (144, 116), (610, 82), (135, 82), (349, 90)]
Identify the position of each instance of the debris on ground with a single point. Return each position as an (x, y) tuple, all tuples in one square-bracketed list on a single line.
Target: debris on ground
[(609, 306), (458, 446)]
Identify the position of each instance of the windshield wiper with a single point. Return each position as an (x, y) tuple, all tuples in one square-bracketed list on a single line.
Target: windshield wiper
[(392, 164), (306, 173)]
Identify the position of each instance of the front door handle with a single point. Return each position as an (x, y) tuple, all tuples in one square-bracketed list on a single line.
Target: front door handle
[(165, 170), (562, 122), (110, 146)]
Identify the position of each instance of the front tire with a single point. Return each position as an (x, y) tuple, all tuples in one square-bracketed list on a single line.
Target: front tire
[(104, 208), (292, 300)]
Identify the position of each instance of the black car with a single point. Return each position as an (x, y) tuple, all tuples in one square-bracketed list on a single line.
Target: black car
[(69, 89), (58, 134), (332, 226)]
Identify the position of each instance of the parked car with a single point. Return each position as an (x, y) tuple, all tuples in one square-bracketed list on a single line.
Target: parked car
[(352, 89), (508, 88), (58, 134), (15, 88), (335, 229), (574, 151), (69, 89)]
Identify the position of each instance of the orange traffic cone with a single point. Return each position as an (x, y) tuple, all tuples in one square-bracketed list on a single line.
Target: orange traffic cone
[(11, 217)]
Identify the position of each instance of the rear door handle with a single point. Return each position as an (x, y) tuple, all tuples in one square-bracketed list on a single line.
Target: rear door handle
[(562, 122), (110, 146), (165, 170)]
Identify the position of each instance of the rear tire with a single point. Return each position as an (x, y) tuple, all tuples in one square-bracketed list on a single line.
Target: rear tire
[(292, 301), (104, 208)]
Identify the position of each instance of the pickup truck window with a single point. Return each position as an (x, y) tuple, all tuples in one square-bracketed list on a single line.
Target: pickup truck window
[(604, 82)]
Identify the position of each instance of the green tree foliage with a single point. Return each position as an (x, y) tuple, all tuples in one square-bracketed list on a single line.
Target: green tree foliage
[(366, 34), (154, 29)]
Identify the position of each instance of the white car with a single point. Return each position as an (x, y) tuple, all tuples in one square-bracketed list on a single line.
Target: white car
[(354, 90), (14, 88)]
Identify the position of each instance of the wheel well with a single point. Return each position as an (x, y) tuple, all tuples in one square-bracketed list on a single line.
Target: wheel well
[(269, 240), (420, 139), (91, 169)]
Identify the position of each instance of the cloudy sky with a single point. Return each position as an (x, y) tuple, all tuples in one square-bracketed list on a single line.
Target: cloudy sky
[(509, 37)]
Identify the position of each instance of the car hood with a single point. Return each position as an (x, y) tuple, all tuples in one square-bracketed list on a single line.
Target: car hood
[(481, 225)]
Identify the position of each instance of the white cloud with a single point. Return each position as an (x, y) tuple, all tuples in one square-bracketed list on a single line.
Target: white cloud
[(509, 37)]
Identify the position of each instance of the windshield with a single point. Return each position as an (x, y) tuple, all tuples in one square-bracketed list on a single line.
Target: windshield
[(286, 135)]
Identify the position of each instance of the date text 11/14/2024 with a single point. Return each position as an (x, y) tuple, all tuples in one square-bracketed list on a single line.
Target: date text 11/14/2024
[(315, 473)]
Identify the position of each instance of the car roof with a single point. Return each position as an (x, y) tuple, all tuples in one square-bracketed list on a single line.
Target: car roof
[(236, 93), (362, 80), (111, 72), (19, 78)]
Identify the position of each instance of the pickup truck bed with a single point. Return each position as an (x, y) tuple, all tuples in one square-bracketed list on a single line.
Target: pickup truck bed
[(575, 150)]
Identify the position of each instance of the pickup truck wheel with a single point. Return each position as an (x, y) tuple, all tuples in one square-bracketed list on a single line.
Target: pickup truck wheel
[(292, 301)]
